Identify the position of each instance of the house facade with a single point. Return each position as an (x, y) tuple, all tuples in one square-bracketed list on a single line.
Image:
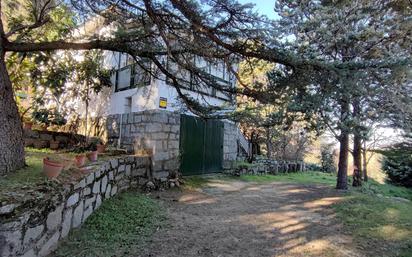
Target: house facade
[(146, 115)]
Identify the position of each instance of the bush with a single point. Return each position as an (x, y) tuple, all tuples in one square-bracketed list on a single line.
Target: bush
[(397, 163), (398, 167), (327, 158)]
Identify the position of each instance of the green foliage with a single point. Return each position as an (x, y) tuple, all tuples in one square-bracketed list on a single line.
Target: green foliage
[(327, 158), (397, 162), (122, 224)]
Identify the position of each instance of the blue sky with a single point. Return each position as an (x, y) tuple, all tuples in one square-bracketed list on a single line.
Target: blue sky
[(262, 6)]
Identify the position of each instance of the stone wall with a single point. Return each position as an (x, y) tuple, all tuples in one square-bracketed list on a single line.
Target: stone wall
[(34, 230), (42, 139), (230, 144), (155, 131)]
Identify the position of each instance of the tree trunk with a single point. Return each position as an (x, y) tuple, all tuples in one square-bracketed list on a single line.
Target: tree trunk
[(268, 144), (365, 163), (11, 131), (357, 146), (342, 181), (357, 161)]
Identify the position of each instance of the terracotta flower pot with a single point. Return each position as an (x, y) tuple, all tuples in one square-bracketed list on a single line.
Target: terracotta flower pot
[(52, 169), (28, 125), (92, 156), (80, 160), (101, 148), (54, 145)]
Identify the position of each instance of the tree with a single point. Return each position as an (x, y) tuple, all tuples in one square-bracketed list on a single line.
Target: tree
[(342, 32)]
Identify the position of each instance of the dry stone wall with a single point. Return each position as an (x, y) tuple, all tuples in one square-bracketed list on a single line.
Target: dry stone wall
[(154, 131), (36, 230)]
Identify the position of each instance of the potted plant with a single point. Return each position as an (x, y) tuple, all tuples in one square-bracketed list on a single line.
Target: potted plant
[(80, 157), (100, 147), (52, 168), (92, 156)]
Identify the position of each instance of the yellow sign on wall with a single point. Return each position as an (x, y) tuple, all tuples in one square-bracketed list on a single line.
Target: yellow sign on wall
[(163, 102)]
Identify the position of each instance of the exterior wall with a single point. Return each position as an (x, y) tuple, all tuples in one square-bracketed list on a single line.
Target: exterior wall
[(153, 131), (35, 228), (230, 144), (158, 131)]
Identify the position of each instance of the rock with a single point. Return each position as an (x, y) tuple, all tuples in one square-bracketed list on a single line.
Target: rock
[(10, 243), (108, 191), (7, 209), (111, 175), (67, 222), (104, 184), (32, 234), (90, 179), (50, 245), (87, 213), (89, 201), (29, 253), (87, 191), (172, 184), (81, 184), (98, 202), (54, 219), (77, 216), (96, 187), (114, 163), (150, 185), (73, 199), (400, 199), (114, 191)]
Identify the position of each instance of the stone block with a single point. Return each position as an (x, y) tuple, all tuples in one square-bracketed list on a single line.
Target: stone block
[(139, 172), (47, 137), (119, 177), (87, 191), (87, 213), (72, 200), (77, 215), (90, 179), (50, 245), (97, 173), (114, 191), (111, 175), (121, 168), (108, 191), (54, 219), (32, 234), (81, 184), (29, 253), (11, 243), (67, 220), (128, 169), (103, 184), (161, 174), (96, 187), (114, 163), (98, 202), (89, 201)]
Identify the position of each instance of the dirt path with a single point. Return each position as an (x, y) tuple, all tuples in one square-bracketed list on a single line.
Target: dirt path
[(230, 218)]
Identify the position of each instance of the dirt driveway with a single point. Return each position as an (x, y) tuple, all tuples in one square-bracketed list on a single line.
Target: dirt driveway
[(231, 218)]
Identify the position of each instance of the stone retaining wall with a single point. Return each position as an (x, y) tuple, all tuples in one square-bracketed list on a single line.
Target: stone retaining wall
[(155, 131), (36, 230), (41, 139), (269, 166)]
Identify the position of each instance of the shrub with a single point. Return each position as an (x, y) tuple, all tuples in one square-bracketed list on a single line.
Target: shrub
[(327, 159), (397, 163)]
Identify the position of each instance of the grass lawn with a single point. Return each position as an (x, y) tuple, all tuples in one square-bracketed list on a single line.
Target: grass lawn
[(120, 226), (380, 223)]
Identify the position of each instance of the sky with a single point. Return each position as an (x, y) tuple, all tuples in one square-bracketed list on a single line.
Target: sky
[(262, 6)]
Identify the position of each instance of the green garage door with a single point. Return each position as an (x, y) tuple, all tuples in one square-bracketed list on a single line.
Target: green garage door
[(201, 145)]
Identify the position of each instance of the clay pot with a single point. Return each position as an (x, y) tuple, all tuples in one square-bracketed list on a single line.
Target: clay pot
[(101, 148), (28, 125), (92, 156), (80, 160), (54, 145), (52, 169)]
